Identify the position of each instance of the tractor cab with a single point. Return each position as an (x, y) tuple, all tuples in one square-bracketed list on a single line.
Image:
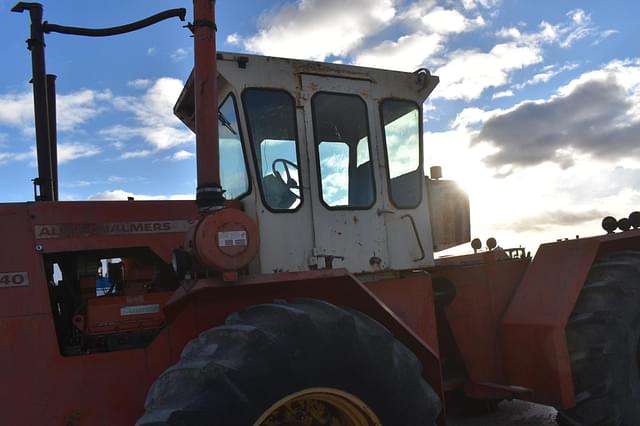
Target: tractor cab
[(328, 159)]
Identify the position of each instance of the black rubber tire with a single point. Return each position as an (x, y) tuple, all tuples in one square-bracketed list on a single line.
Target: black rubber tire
[(460, 405), (230, 375), (603, 334)]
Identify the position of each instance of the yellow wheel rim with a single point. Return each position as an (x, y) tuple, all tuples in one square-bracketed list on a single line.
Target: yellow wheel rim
[(319, 406)]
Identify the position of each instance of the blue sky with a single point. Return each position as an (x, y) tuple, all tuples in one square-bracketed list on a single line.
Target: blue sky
[(536, 113)]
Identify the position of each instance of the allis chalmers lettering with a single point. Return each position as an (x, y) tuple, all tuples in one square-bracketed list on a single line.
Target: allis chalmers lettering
[(74, 230)]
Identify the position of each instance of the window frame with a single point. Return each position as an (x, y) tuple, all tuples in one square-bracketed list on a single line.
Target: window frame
[(247, 167), (316, 145), (386, 151), (253, 147)]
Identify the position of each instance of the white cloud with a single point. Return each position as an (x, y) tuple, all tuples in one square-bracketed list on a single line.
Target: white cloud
[(503, 94), (72, 151), (548, 73), (16, 109), (315, 29), (182, 155), (520, 50), (139, 83), (122, 179), (604, 35), (471, 116), (406, 54), (433, 25), (12, 157), (135, 154), (473, 4), (445, 21), (78, 184), (179, 54), (122, 195), (577, 27), (151, 51), (73, 109), (468, 73), (233, 39), (512, 33), (626, 73), (153, 116)]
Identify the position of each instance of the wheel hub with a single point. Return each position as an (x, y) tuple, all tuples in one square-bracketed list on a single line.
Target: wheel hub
[(319, 407)]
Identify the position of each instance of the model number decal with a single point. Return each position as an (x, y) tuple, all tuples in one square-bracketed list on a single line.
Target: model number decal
[(14, 279)]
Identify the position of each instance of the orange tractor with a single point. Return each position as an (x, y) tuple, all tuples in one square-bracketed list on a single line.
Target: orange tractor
[(300, 288)]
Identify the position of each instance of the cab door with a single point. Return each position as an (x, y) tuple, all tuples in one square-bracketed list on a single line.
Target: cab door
[(280, 202), (345, 191)]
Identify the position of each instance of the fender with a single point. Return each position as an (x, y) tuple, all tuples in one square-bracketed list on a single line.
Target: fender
[(209, 301), (534, 342)]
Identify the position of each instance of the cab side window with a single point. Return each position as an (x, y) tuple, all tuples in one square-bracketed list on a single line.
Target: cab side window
[(233, 168), (401, 120), (274, 140), (342, 148)]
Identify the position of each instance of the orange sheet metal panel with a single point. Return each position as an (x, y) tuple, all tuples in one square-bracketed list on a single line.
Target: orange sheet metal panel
[(210, 301), (533, 329), (116, 314), (23, 290), (483, 292), (92, 225), (105, 389), (411, 299)]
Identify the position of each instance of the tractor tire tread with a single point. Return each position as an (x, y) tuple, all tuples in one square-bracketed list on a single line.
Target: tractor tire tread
[(226, 375), (605, 320)]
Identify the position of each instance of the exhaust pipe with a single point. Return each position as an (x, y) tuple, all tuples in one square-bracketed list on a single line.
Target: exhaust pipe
[(43, 185), (44, 91), (53, 133), (209, 193)]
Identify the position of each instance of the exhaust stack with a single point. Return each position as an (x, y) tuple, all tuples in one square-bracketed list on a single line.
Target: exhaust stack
[(53, 133), (43, 184), (209, 193), (44, 91)]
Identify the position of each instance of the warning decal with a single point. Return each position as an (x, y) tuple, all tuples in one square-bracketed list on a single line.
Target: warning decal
[(232, 239)]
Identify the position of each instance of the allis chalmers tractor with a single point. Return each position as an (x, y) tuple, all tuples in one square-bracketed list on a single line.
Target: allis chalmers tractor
[(300, 288)]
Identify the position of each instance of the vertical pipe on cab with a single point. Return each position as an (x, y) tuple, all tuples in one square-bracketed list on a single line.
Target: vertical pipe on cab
[(53, 132), (209, 192), (36, 45)]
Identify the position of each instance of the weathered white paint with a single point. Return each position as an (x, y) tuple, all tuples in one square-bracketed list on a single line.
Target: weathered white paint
[(295, 241)]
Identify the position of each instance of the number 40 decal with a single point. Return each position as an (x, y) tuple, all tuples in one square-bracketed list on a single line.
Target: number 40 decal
[(14, 279)]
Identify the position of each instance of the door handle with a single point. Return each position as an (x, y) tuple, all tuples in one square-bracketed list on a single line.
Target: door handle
[(415, 232)]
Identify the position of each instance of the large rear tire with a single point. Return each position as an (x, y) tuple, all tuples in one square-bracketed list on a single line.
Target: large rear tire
[(302, 362), (603, 335)]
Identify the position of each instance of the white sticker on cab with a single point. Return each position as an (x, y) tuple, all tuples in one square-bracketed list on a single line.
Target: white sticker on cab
[(232, 239)]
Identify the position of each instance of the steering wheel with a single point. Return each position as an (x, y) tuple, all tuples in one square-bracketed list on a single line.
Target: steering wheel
[(290, 182)]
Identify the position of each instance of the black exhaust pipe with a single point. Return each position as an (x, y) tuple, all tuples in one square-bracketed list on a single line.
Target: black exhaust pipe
[(53, 133), (43, 185)]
